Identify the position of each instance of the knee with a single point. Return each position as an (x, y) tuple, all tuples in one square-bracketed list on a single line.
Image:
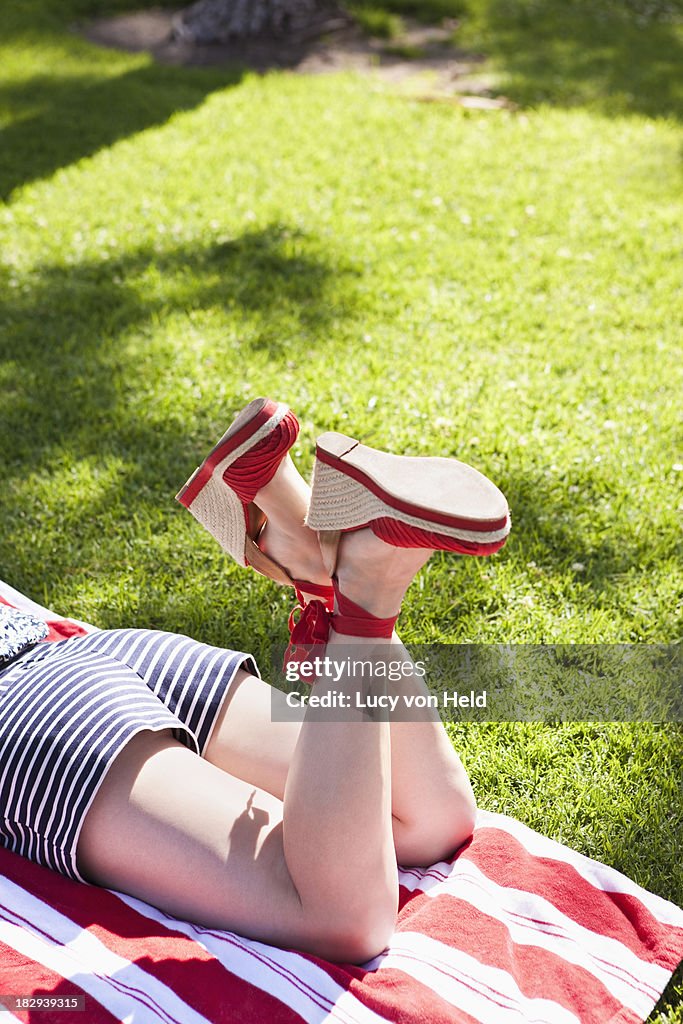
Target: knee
[(460, 820), (440, 831)]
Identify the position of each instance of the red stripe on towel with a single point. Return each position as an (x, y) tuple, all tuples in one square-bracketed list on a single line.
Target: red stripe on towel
[(540, 973), (396, 996), (163, 952), (618, 915), (62, 629), (22, 976)]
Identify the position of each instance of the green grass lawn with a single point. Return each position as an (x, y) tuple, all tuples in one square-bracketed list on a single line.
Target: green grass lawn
[(504, 287)]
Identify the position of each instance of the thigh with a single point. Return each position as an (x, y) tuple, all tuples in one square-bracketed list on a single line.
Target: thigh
[(246, 742), (168, 827)]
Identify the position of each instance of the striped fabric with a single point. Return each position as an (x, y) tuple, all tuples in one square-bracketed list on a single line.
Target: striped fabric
[(67, 709), (517, 929)]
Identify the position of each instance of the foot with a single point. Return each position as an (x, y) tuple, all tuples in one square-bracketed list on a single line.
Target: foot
[(285, 538)]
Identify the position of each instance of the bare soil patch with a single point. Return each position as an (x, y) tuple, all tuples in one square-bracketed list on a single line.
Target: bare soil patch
[(424, 63)]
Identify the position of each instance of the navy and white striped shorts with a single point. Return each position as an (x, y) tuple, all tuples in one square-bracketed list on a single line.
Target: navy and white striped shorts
[(68, 708)]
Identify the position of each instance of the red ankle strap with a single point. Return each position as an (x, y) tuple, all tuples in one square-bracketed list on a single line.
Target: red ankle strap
[(352, 620), (312, 629), (316, 618), (313, 625), (321, 590)]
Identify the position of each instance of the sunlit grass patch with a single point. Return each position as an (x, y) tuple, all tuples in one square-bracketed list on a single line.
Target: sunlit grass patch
[(502, 287)]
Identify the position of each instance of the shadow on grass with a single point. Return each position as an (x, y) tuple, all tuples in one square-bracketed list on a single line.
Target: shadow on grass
[(67, 367), (97, 398), (618, 58), (58, 120)]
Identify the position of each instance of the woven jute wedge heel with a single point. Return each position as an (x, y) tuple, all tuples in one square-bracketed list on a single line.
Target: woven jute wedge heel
[(225, 513), (220, 495), (406, 501)]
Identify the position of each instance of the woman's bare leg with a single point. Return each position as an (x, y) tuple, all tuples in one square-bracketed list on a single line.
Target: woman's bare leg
[(285, 537), (432, 801), (174, 830), (316, 871), (433, 806)]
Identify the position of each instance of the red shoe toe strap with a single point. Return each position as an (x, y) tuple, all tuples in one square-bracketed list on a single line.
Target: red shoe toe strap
[(256, 468), (352, 620)]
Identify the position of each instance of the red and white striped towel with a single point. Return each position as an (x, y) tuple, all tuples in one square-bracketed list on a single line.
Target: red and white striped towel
[(517, 929)]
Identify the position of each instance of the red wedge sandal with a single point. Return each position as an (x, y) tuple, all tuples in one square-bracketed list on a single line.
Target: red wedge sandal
[(407, 502), (220, 494)]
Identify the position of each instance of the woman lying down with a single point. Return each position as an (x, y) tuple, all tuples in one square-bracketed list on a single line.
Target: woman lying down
[(153, 764)]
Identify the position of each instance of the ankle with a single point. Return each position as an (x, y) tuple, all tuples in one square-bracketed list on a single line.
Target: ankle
[(354, 620), (376, 575), (296, 549), (285, 538), (381, 600), (285, 497)]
